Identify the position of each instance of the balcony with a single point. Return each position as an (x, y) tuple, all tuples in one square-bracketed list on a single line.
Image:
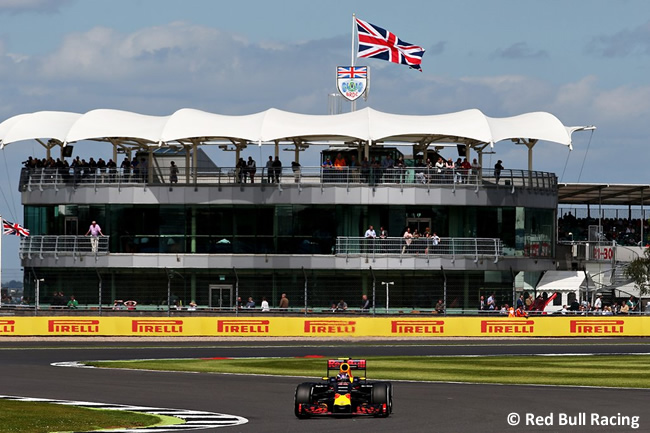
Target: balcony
[(449, 248), (52, 178), (55, 246)]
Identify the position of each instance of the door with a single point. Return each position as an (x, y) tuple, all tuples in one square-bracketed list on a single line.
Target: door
[(419, 224), (220, 296), (72, 226)]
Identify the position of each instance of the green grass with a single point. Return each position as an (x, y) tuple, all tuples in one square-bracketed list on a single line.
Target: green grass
[(37, 417), (622, 370)]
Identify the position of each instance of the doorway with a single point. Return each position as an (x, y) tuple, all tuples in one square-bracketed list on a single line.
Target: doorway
[(71, 226), (220, 296)]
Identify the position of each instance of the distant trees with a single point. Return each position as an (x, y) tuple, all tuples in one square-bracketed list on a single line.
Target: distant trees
[(639, 271)]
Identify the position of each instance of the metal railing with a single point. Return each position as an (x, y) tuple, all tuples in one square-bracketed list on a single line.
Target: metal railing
[(55, 246), (398, 246), (47, 178)]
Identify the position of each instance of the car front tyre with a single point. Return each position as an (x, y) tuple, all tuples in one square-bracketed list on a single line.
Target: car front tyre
[(303, 396), (382, 393)]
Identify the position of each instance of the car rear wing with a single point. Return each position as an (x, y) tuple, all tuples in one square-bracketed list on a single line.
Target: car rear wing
[(346, 365)]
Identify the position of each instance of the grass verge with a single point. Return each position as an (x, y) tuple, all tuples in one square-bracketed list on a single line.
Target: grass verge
[(622, 370), (49, 417)]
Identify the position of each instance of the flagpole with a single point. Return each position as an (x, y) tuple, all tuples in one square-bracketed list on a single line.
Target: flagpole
[(353, 104), (352, 50)]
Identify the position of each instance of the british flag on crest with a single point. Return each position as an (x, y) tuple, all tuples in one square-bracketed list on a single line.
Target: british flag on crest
[(352, 81)]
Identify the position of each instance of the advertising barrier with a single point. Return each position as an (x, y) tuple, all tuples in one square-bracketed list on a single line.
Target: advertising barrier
[(335, 326)]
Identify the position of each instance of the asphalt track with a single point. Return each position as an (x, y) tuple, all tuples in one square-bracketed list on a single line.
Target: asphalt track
[(267, 402)]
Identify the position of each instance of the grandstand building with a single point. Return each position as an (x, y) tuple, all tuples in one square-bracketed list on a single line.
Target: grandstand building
[(210, 233)]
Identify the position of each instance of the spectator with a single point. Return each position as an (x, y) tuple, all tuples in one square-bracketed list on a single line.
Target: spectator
[(269, 170), (94, 231), (598, 304), (365, 303), (519, 312), (277, 169), (341, 306), (173, 173), (284, 302), (491, 302), (440, 307), (72, 303), (497, 171), (251, 168), (520, 301), (625, 309), (295, 167), (408, 238)]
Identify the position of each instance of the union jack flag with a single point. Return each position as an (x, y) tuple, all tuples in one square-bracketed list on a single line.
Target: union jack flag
[(13, 229), (352, 71), (378, 43)]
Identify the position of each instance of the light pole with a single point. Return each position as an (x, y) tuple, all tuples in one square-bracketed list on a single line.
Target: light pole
[(388, 283), (38, 292)]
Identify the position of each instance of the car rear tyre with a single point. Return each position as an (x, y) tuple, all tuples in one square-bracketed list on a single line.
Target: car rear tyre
[(382, 393), (303, 396)]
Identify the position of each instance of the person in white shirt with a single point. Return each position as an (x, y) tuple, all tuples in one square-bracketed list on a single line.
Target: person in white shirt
[(435, 240), (265, 305), (370, 237), (408, 238), (598, 303)]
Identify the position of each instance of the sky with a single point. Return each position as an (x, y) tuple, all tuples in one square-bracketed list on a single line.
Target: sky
[(585, 61)]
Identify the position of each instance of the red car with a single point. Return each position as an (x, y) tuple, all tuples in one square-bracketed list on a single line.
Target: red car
[(344, 391)]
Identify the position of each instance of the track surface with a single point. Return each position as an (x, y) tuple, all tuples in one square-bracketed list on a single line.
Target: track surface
[(267, 402)]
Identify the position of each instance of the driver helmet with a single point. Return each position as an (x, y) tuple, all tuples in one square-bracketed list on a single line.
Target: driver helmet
[(342, 377)]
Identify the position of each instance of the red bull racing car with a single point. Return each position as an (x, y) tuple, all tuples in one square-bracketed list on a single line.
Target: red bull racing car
[(344, 391)]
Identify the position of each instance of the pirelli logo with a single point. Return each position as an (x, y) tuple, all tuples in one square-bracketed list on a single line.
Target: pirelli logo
[(507, 326), (243, 326), (73, 326), (417, 327), (7, 326), (161, 326), (596, 327), (330, 327)]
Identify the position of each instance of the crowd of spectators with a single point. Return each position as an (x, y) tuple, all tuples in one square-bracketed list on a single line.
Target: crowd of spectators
[(622, 230), (79, 170), (603, 307), (386, 169)]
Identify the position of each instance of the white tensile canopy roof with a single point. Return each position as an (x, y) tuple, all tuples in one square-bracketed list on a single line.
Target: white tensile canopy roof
[(470, 127)]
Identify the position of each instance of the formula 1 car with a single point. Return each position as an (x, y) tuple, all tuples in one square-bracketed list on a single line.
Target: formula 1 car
[(344, 391)]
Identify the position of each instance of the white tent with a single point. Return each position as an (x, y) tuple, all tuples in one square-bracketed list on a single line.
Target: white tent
[(561, 281), (470, 126), (367, 126)]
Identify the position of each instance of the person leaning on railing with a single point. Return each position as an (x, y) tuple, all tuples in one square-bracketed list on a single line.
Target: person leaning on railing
[(94, 231)]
